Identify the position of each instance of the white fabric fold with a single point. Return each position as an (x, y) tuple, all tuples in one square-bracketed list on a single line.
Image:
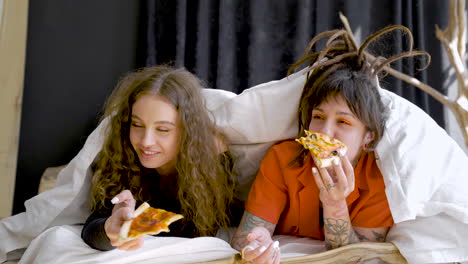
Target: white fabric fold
[(64, 204), (425, 171)]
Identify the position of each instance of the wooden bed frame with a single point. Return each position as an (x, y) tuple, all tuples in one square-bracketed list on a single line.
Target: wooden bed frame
[(354, 253)]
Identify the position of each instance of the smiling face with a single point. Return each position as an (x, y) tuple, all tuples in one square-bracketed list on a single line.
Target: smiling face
[(334, 118), (155, 133)]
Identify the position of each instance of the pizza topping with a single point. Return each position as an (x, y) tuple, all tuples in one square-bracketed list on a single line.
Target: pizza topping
[(148, 220), (323, 148), (151, 219)]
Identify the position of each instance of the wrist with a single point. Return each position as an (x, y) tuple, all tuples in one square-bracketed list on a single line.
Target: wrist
[(106, 227), (334, 203), (335, 209)]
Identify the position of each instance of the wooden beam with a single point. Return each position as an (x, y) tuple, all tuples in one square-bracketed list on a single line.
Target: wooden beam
[(352, 253), (13, 31)]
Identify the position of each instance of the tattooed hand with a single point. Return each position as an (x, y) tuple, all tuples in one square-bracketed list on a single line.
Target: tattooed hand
[(336, 184), (261, 248), (253, 239)]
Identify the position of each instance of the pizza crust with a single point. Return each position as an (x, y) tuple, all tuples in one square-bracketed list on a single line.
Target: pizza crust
[(323, 163)]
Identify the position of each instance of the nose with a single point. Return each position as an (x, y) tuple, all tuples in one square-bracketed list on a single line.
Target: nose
[(148, 138), (327, 128)]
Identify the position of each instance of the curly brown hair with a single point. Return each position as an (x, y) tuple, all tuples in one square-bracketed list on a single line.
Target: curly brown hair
[(205, 175), (342, 68)]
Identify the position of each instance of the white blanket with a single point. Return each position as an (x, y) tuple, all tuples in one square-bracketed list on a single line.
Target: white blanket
[(63, 244), (425, 174)]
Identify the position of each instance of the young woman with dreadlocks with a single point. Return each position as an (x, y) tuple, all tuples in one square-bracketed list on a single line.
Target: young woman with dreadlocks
[(341, 204)]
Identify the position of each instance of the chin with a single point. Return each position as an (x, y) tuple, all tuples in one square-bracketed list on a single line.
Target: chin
[(149, 164)]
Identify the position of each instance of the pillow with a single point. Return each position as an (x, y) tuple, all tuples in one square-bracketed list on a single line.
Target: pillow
[(256, 119)]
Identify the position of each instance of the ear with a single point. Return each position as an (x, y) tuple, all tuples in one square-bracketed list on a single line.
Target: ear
[(368, 137)]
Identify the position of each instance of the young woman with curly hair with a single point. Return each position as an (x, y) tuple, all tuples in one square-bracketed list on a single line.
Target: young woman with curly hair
[(161, 147)]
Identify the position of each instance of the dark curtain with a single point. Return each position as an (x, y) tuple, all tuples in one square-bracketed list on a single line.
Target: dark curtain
[(235, 44), (76, 51)]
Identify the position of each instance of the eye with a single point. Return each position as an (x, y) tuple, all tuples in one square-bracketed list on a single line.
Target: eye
[(134, 124), (344, 121), (162, 129), (317, 116)]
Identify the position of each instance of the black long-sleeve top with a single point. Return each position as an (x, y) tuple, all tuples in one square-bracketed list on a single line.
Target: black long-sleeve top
[(165, 197)]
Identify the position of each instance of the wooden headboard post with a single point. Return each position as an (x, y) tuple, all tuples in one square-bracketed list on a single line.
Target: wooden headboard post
[(13, 31)]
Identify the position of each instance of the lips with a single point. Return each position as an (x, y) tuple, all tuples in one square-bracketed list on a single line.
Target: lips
[(148, 153)]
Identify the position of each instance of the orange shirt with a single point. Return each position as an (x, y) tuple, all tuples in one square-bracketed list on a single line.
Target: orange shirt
[(288, 196)]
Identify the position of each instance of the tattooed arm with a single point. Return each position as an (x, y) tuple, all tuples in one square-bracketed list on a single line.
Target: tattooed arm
[(340, 232), (334, 186)]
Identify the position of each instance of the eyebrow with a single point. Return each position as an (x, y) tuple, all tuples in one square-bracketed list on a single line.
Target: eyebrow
[(157, 122), (339, 113)]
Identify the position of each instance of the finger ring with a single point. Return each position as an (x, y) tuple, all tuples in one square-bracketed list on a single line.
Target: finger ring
[(244, 249)]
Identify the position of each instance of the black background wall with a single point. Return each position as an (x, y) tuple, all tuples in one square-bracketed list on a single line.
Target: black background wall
[(76, 51)]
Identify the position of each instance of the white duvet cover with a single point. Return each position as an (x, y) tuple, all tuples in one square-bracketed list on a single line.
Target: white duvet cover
[(425, 172)]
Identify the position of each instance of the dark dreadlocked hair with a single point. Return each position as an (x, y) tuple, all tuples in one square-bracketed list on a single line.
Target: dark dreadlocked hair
[(343, 69)]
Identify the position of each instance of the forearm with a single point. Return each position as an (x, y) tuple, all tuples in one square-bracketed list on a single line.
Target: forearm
[(337, 225)]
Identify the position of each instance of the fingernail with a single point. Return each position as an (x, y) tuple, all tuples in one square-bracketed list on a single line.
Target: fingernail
[(129, 215), (262, 249), (245, 249), (115, 200), (276, 245), (314, 170), (336, 162)]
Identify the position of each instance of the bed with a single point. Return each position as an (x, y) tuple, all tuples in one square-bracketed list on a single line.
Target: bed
[(421, 196)]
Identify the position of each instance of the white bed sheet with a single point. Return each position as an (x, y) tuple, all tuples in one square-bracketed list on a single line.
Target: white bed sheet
[(63, 244)]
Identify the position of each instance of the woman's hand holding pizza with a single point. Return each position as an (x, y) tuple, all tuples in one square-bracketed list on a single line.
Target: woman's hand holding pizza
[(261, 248), (336, 182), (122, 211)]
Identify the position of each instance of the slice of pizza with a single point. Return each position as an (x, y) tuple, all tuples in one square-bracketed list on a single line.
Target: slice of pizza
[(323, 148), (147, 220)]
